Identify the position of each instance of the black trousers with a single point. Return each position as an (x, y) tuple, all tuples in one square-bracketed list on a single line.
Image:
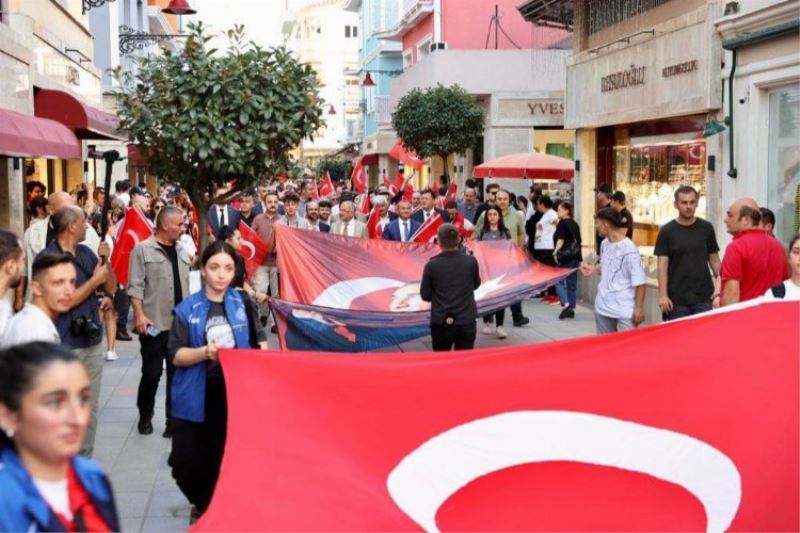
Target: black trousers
[(197, 448), (122, 305), (459, 337), (154, 353)]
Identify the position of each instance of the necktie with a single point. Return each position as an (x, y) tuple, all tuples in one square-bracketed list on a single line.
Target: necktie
[(344, 229), (404, 237), (222, 221)]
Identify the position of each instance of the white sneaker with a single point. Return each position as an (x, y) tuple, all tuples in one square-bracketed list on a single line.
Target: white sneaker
[(487, 329), (501, 332), (111, 356)]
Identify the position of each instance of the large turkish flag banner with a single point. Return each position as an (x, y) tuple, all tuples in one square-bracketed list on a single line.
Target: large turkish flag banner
[(687, 426)]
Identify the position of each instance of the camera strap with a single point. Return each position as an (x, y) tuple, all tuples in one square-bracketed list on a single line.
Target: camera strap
[(76, 258)]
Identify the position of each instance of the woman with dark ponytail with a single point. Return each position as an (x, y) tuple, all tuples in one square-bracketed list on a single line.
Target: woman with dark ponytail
[(45, 407)]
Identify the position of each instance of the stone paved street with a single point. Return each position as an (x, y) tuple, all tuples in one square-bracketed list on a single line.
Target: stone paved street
[(147, 497)]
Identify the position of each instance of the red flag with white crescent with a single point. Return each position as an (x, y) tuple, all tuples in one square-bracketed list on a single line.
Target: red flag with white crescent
[(374, 224), (134, 229), (409, 191), (315, 190), (364, 204), (452, 193), (359, 177), (626, 432), (390, 185), (428, 230), (253, 249), (327, 188)]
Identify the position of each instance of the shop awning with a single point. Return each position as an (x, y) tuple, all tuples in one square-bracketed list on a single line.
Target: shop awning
[(27, 136), (369, 159), (88, 122), (530, 165)]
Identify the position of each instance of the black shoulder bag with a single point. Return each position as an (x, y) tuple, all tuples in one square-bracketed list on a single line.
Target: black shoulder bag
[(569, 252)]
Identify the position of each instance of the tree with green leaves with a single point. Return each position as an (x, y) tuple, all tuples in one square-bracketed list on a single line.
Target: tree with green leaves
[(438, 121), (336, 166), (204, 120)]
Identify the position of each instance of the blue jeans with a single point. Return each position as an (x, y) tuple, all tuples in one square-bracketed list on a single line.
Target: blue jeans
[(682, 310), (567, 289)]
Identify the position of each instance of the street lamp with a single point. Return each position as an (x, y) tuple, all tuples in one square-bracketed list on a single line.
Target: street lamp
[(369, 82), (332, 110), (89, 4), (179, 7)]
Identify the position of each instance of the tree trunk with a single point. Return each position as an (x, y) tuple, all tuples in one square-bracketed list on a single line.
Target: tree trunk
[(446, 171), (201, 206)]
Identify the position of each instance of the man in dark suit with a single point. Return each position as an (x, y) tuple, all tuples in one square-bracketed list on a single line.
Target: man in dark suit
[(223, 214), (402, 228), (448, 282), (427, 201)]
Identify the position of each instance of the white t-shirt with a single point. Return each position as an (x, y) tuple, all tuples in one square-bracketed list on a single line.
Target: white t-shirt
[(56, 495), (792, 292), (29, 325), (6, 312), (621, 272), (545, 229)]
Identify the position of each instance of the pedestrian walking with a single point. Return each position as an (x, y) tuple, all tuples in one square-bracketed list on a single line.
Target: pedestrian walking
[(448, 282), (158, 280), (12, 270), (544, 244), (45, 412), (618, 201), (619, 303), (754, 261), (266, 277), (603, 197), (205, 322), (493, 230), (688, 257), (567, 254), (789, 289), (52, 290), (80, 328)]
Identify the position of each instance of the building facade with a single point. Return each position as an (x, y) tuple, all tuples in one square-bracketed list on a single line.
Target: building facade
[(325, 35), (664, 93), (515, 72), (51, 102), (382, 60)]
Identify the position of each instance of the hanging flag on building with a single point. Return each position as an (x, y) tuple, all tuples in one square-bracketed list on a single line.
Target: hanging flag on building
[(632, 433), (134, 229)]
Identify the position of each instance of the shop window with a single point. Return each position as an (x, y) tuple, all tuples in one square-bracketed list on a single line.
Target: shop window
[(649, 173), (783, 194)]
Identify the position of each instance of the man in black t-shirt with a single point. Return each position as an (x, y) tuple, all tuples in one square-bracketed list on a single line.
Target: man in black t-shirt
[(603, 195), (618, 203), (688, 254)]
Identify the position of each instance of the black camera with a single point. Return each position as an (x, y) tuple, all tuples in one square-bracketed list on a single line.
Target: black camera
[(84, 326)]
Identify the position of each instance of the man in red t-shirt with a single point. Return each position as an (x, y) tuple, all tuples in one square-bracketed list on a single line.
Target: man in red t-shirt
[(753, 261)]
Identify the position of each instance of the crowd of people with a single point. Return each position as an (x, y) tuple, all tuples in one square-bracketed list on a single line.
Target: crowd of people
[(67, 310)]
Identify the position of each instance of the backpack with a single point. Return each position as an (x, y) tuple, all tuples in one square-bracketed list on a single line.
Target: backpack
[(779, 291)]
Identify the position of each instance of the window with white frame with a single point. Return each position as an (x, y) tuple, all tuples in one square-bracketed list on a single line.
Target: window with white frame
[(408, 58), (424, 47)]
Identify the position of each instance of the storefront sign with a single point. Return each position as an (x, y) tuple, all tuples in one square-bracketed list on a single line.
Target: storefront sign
[(546, 108), (680, 68), (623, 79)]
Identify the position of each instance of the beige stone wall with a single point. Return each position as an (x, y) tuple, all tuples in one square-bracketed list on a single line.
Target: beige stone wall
[(16, 92), (774, 48)]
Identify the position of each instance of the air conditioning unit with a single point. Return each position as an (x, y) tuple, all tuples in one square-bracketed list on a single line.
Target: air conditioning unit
[(438, 46)]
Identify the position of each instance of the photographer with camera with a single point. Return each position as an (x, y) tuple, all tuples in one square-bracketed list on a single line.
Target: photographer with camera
[(80, 328)]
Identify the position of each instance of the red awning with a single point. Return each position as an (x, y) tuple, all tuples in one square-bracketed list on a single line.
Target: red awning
[(88, 122), (27, 136), (370, 159), (530, 165)]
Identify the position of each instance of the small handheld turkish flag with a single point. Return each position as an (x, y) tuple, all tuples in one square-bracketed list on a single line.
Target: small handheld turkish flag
[(253, 249), (364, 204), (374, 224), (134, 229), (359, 177), (428, 230), (327, 188)]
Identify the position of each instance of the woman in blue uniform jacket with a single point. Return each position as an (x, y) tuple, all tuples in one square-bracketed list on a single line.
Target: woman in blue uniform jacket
[(206, 321), (45, 407)]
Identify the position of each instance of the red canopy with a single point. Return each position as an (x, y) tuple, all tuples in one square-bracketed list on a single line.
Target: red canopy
[(87, 121), (407, 157), (27, 136), (530, 165)]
